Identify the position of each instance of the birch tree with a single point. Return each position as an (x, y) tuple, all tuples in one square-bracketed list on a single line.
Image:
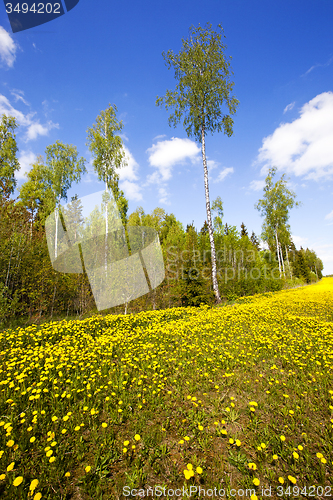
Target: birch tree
[(62, 168), (275, 206), (202, 71), (109, 155), (8, 150)]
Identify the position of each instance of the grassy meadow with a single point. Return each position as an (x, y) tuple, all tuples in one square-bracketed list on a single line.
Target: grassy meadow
[(237, 398)]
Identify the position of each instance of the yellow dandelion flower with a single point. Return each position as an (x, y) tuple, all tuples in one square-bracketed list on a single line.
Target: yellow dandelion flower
[(88, 468), (32, 439), (199, 470), (104, 425), (11, 466), (189, 466), (2, 477), (68, 474), (137, 437), (52, 459), (38, 496), (292, 479), (256, 481), (10, 443), (281, 480), (17, 481), (33, 484), (282, 438)]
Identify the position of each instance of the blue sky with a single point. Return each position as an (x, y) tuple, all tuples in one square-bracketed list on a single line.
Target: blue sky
[(56, 78)]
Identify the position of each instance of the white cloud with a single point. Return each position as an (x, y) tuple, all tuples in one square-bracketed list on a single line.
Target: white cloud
[(329, 216), (18, 94), (8, 48), (299, 241), (222, 175), (131, 190), (34, 128), (305, 146), (25, 159), (163, 196), (318, 66), (129, 172), (211, 164), (166, 154), (257, 185), (289, 107), (127, 176)]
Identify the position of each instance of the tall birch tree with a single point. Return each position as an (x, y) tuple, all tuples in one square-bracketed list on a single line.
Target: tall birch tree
[(107, 148), (62, 168), (202, 71), (275, 206)]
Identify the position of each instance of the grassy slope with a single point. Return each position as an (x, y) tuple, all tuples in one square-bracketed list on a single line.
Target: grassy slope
[(212, 391)]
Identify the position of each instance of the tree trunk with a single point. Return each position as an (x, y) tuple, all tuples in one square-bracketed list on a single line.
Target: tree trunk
[(277, 250), (289, 266), (106, 232), (282, 260), (209, 220), (10, 258)]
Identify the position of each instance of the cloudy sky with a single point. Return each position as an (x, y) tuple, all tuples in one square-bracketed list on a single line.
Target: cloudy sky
[(56, 78)]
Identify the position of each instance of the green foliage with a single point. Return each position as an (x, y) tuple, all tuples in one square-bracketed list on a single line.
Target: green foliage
[(8, 160), (204, 86), (275, 206)]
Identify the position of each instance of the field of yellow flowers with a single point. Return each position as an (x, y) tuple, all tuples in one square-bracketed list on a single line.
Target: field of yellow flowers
[(236, 400)]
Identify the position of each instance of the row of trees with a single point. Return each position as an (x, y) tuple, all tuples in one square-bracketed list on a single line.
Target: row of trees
[(220, 261)]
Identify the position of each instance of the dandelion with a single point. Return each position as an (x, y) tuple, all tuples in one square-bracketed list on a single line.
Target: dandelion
[(186, 438), (281, 480), (38, 496), (283, 438), (238, 442), (256, 481), (68, 474), (77, 428), (104, 425), (126, 443), (199, 470), (10, 443), (189, 466), (252, 466), (275, 457), (52, 459), (300, 447), (33, 484), (137, 437), (10, 466), (2, 477), (200, 427), (295, 455), (292, 479), (88, 468), (32, 439), (17, 481)]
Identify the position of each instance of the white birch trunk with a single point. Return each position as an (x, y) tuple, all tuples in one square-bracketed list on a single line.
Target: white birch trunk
[(289, 266), (277, 250), (209, 220), (282, 260)]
